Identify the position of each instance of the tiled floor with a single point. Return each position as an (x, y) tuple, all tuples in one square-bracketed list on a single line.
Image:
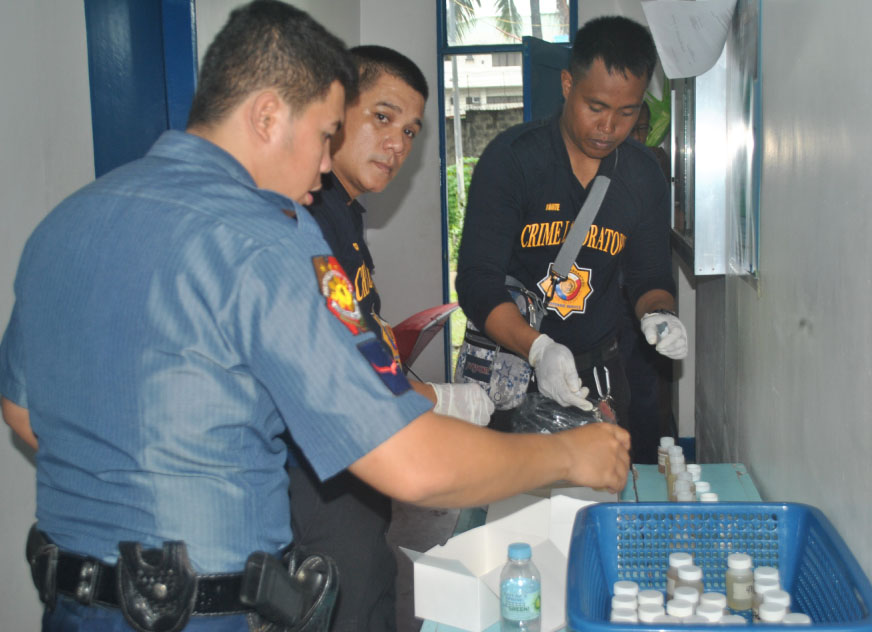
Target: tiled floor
[(418, 529)]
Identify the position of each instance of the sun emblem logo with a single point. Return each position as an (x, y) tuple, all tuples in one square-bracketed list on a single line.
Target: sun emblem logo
[(569, 296)]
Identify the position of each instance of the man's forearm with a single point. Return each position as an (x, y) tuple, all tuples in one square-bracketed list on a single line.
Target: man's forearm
[(654, 299), (442, 462), (506, 326), (18, 419)]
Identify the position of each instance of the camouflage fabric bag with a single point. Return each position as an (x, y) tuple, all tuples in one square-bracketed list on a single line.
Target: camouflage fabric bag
[(502, 373)]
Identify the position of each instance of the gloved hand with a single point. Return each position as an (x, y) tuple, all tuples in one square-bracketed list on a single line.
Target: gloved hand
[(468, 402), (556, 374), (666, 333)]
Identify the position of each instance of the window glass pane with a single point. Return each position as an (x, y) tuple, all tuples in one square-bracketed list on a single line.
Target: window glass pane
[(489, 22), (490, 98)]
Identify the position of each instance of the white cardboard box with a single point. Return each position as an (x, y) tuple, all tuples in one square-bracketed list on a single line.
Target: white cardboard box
[(458, 584)]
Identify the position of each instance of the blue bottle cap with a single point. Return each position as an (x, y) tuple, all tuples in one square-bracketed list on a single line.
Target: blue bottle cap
[(519, 551)]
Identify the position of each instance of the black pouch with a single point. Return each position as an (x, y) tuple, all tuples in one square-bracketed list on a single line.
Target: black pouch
[(157, 588), (42, 555)]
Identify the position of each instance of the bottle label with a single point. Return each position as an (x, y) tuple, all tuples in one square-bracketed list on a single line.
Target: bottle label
[(520, 599)]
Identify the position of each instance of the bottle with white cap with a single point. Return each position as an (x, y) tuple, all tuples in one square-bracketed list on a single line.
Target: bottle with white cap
[(662, 453), (676, 560), (650, 611), (624, 616), (679, 608), (666, 618), (796, 618), (771, 612), (673, 452), (761, 587), (708, 497), (695, 619), (649, 596), (681, 486), (733, 619), (702, 487), (625, 587), (714, 599), (676, 465), (624, 602), (691, 576), (779, 597), (687, 593), (711, 612), (695, 470), (740, 581), (685, 497)]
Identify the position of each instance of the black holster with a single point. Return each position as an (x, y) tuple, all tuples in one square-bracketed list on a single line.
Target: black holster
[(295, 595)]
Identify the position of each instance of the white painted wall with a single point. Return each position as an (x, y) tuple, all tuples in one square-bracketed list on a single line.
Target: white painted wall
[(46, 153), (787, 370)]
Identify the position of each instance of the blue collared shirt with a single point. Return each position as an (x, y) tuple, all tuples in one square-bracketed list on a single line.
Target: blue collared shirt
[(171, 322)]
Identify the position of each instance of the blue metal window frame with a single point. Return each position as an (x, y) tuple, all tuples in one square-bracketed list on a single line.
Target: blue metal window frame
[(443, 49)]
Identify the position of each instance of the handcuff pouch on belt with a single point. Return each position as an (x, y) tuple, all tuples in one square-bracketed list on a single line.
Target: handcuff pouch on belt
[(157, 588)]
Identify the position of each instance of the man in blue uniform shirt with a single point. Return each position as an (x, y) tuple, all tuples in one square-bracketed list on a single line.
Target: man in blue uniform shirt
[(176, 319), (526, 192), (343, 517)]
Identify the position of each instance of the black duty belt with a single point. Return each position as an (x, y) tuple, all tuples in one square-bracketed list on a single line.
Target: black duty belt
[(91, 581), (598, 356)]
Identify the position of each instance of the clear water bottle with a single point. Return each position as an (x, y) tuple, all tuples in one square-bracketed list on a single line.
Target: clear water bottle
[(520, 591)]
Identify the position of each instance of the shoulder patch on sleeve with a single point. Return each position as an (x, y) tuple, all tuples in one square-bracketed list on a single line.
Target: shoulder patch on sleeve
[(385, 365), (339, 292)]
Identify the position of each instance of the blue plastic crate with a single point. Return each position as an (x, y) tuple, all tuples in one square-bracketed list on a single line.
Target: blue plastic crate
[(615, 541)]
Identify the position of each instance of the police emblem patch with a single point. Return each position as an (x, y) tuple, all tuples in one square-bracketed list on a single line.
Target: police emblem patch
[(385, 365), (569, 296), (338, 291)]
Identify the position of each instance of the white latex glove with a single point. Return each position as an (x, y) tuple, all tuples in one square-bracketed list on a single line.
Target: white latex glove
[(468, 402), (666, 333), (556, 374)]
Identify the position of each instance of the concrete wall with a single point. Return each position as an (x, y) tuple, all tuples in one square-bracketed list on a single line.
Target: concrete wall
[(479, 128), (46, 153), (783, 370)]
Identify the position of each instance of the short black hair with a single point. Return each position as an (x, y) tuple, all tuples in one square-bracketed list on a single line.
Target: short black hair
[(269, 44), (622, 44), (373, 61)]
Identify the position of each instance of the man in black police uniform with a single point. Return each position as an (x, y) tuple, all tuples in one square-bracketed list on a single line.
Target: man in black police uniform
[(344, 517), (525, 194)]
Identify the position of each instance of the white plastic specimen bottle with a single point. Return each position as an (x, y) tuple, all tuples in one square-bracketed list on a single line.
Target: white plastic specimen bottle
[(625, 587), (687, 593), (771, 612), (679, 608), (740, 581), (702, 487), (650, 596), (691, 576), (673, 452), (624, 616), (624, 602), (662, 453), (676, 465), (666, 618), (695, 470), (733, 619), (650, 611), (676, 560), (714, 599), (520, 591), (796, 618), (779, 597), (761, 587), (708, 497), (711, 612)]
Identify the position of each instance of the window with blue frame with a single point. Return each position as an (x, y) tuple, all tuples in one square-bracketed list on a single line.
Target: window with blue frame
[(481, 93)]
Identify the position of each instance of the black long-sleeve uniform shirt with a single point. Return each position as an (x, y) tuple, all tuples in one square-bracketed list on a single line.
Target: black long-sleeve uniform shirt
[(522, 202)]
